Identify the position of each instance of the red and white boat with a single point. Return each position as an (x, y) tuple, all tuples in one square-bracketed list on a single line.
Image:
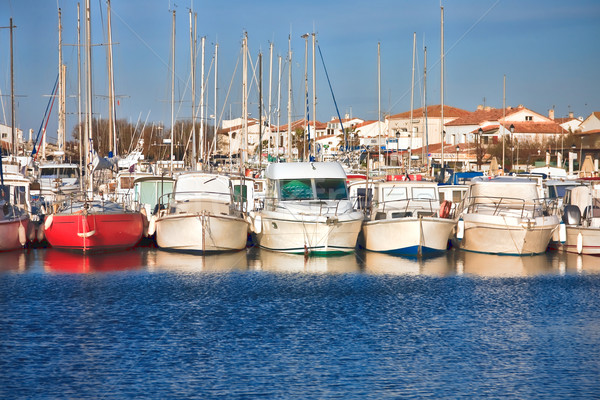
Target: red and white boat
[(90, 226)]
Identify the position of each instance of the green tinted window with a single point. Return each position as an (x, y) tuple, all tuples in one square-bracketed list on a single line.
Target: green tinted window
[(296, 189)]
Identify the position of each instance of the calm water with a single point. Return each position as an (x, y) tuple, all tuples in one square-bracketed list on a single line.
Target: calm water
[(257, 324)]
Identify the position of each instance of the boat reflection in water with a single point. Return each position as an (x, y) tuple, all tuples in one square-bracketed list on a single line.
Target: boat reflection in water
[(169, 261), (66, 262), (492, 265), (579, 263), (274, 261), (14, 261), (385, 264)]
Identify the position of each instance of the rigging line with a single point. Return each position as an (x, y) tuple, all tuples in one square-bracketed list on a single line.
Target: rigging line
[(452, 47), (333, 95)]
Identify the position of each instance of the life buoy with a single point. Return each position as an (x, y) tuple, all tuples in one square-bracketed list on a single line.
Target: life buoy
[(445, 208)]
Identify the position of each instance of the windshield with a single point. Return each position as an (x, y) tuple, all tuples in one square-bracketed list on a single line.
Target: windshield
[(331, 189), (54, 173), (296, 189)]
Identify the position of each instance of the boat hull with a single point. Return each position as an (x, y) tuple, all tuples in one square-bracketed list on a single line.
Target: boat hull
[(507, 235), (13, 233), (94, 231), (201, 232), (315, 235), (587, 243), (407, 236)]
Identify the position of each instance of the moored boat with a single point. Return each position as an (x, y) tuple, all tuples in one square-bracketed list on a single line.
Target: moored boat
[(582, 229), (201, 215), (406, 217), (504, 215), (307, 209)]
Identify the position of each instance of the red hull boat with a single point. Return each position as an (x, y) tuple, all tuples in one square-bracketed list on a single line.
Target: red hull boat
[(94, 231)]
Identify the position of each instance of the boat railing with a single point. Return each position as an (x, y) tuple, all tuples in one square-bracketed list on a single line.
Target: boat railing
[(407, 207), (324, 207), (175, 200), (507, 206)]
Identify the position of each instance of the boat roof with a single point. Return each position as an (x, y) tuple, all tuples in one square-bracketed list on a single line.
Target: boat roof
[(59, 165), (503, 180), (305, 170)]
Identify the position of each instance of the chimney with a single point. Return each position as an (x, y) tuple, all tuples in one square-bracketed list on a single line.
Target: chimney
[(571, 114), (551, 114), (479, 107)]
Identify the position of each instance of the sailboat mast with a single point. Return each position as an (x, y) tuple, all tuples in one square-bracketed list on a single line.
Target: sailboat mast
[(13, 130), (278, 110), (260, 111), (412, 99), (442, 89), (305, 105), (244, 147), (61, 98), (289, 127), (193, 77), (314, 102), (172, 88), (425, 108), (112, 120), (214, 148), (88, 128), (270, 92), (379, 104), (203, 152), (79, 95)]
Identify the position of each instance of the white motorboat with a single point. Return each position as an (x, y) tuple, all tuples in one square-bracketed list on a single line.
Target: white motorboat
[(582, 228), (504, 215), (58, 178), (201, 216), (306, 210), (405, 217)]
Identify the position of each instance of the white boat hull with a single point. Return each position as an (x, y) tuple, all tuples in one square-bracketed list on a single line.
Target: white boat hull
[(507, 235), (409, 236), (313, 234), (583, 240), (201, 232)]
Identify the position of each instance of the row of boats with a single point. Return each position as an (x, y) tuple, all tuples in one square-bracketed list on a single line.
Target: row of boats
[(311, 208)]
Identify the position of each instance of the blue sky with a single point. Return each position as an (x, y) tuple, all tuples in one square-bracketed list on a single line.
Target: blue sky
[(548, 50)]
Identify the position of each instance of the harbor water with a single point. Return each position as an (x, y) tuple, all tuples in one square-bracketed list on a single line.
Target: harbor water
[(257, 324)]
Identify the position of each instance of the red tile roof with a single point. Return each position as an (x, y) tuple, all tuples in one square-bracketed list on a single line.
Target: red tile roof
[(433, 112), (536, 127), (479, 116)]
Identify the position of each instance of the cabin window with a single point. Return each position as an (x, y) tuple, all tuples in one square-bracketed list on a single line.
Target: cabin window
[(240, 193), (127, 182), (425, 193), (457, 196), (331, 189), (53, 173), (296, 189), (394, 194)]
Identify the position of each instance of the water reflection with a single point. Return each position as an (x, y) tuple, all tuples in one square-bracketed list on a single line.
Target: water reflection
[(274, 261), (160, 260), (14, 261), (385, 264), (65, 262)]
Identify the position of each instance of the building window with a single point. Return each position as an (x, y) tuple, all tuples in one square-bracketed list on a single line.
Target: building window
[(528, 118)]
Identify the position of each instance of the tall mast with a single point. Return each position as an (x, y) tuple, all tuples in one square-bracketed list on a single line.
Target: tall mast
[(425, 108), (112, 110), (314, 102), (305, 105), (13, 130), (88, 116), (412, 99), (215, 129), (260, 111), (244, 146), (172, 88), (379, 104), (289, 127), (79, 93), (442, 88), (203, 152), (278, 109), (61, 98), (193, 76), (503, 119), (270, 91)]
